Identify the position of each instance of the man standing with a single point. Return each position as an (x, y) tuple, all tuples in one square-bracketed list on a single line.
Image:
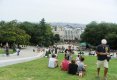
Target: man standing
[(68, 53), (18, 51), (56, 49), (7, 49), (102, 58)]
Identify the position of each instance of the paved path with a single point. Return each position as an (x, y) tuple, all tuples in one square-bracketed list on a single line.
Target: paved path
[(25, 55)]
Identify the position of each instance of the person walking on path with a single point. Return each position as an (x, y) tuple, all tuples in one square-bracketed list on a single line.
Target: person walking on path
[(6, 47), (18, 51), (102, 58)]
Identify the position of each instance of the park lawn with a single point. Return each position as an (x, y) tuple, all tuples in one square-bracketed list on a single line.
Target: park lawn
[(38, 70), (2, 51)]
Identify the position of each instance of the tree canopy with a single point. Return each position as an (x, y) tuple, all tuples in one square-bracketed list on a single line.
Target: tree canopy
[(95, 32), (26, 32), (9, 32)]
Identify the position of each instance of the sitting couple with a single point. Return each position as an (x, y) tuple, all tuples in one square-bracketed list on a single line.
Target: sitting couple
[(73, 67)]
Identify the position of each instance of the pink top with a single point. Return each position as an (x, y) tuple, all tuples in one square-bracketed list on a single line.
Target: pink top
[(65, 65)]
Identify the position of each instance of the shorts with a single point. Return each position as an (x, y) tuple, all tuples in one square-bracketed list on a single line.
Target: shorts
[(103, 63)]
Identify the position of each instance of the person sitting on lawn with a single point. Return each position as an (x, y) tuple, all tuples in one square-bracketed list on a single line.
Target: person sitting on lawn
[(65, 64), (72, 69), (81, 67), (78, 58), (53, 62)]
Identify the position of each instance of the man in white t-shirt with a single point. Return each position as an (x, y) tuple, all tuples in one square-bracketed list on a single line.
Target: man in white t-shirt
[(53, 62)]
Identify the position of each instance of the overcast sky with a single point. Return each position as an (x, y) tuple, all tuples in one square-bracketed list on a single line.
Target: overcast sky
[(73, 11)]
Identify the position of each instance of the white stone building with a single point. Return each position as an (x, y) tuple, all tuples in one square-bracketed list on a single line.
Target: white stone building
[(67, 34), (72, 34), (59, 30)]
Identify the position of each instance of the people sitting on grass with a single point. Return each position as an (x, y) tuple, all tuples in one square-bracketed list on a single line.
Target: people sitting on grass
[(65, 64), (53, 62), (78, 58), (72, 69), (81, 67)]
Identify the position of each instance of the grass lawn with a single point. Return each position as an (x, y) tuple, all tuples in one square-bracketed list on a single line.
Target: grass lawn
[(38, 70)]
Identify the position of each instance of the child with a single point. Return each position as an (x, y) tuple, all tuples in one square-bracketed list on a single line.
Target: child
[(81, 67), (78, 58)]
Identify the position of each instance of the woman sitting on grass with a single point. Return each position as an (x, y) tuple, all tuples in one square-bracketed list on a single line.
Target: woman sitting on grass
[(65, 64), (78, 58), (53, 62), (72, 69)]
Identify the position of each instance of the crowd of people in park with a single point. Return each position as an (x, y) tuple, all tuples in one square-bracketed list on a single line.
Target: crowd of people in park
[(72, 66), (39, 49), (77, 66)]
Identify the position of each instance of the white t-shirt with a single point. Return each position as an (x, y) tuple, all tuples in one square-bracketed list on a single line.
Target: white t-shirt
[(52, 63), (77, 59)]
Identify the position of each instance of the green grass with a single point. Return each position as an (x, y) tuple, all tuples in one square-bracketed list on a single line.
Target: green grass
[(38, 70), (2, 51)]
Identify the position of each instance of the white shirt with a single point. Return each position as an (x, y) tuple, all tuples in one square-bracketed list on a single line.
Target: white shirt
[(77, 59), (52, 63)]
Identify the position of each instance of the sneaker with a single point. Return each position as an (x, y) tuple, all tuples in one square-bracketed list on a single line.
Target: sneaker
[(98, 78)]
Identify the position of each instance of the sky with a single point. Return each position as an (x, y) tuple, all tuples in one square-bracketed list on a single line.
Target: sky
[(71, 11)]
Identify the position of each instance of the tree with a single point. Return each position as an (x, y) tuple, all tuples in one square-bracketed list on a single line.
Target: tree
[(95, 32), (12, 34), (26, 32), (31, 29), (56, 38), (112, 40), (46, 33)]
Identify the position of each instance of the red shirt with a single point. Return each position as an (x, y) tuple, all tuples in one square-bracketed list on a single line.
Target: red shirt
[(65, 65)]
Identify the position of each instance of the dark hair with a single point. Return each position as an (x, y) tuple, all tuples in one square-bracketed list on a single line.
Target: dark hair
[(78, 55), (53, 55), (69, 46), (82, 59), (73, 61), (66, 58)]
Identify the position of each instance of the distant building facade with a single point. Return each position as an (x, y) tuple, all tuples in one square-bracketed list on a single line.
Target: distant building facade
[(72, 34), (59, 30), (67, 34)]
